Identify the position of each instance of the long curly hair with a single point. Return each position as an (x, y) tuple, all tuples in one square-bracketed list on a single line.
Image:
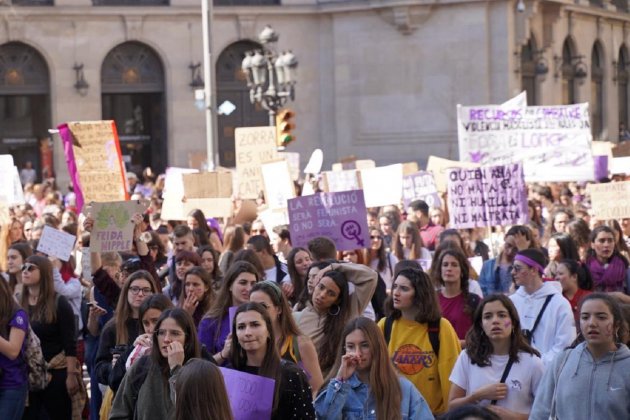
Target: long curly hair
[(478, 345)]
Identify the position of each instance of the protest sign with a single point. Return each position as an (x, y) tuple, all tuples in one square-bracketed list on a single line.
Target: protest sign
[(476, 263), (277, 184), (340, 216), (113, 225), (610, 200), (251, 396), (294, 163), (335, 181), (314, 165), (11, 186), (487, 196), (622, 149), (383, 185), (207, 184), (439, 166), (253, 147), (271, 218), (5, 215), (553, 142), (94, 161), (410, 168), (620, 165), (56, 243), (421, 186), (173, 195)]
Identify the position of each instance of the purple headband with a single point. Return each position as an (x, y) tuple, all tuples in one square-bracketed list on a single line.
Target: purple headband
[(530, 262)]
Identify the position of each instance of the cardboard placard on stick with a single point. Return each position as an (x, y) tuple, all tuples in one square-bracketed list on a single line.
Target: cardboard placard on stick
[(439, 167), (208, 185), (278, 184), (610, 200), (253, 147), (113, 225), (336, 181), (383, 185), (56, 243)]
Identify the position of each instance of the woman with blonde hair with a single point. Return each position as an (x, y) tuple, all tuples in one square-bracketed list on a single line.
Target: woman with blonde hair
[(363, 379), (407, 243)]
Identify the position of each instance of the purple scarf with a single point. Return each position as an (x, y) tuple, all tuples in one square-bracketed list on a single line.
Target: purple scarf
[(609, 279)]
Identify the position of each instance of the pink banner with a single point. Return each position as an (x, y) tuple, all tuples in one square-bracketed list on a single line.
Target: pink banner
[(66, 137)]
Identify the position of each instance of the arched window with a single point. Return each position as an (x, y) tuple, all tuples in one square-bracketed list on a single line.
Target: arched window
[(568, 74), (232, 86), (132, 82), (24, 103), (622, 5), (597, 90), (528, 71), (622, 86)]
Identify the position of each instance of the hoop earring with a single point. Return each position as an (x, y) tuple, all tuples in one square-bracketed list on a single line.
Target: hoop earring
[(336, 313)]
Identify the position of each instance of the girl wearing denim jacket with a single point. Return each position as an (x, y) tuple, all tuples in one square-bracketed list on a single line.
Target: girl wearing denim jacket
[(366, 385)]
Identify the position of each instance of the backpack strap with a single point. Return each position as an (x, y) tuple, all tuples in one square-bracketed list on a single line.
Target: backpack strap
[(389, 321), (434, 336), (540, 314), (506, 372)]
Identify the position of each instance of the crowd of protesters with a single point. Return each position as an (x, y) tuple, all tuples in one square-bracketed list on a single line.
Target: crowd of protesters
[(537, 330)]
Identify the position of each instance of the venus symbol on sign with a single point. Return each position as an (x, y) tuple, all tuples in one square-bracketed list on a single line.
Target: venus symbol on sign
[(351, 230)]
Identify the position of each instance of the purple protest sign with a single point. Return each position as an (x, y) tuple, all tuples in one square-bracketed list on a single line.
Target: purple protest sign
[(251, 396), (601, 167), (487, 196), (421, 186), (340, 216)]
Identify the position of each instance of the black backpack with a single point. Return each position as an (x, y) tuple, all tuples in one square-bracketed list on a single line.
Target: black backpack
[(434, 333)]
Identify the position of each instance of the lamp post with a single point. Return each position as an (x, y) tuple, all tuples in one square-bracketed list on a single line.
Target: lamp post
[(271, 76)]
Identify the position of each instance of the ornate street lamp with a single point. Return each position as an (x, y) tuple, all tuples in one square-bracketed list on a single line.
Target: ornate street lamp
[(271, 76)]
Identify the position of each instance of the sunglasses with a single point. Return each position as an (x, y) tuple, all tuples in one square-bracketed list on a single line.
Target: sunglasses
[(29, 267), (517, 268)]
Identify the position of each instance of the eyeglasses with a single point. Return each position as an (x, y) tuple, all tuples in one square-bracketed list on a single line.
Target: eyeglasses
[(29, 267), (516, 268), (135, 290), (173, 333)]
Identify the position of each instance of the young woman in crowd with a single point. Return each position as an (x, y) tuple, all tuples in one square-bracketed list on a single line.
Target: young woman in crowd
[(560, 247), (197, 220), (298, 262), (14, 380), (576, 283), (197, 294), (438, 217), (407, 243), (234, 242), (411, 329), (435, 271), (498, 368), (608, 268), (52, 321), (214, 328), (248, 255), (157, 251), (17, 254), (184, 261), (291, 343), (144, 391), (559, 220), (579, 230), (379, 259), (389, 225), (589, 380), (200, 392), (311, 275), (456, 302), (255, 352), (331, 306), (122, 330), (365, 380), (16, 231), (210, 263), (620, 243)]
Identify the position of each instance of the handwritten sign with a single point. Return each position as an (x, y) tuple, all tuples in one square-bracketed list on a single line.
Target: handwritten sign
[(253, 147), (207, 184), (439, 168), (620, 165), (294, 163), (554, 142), (610, 200), (339, 216), (278, 184), (56, 243), (11, 186), (383, 185), (251, 396), (172, 207), (97, 170), (421, 186), (336, 181), (487, 196), (113, 226)]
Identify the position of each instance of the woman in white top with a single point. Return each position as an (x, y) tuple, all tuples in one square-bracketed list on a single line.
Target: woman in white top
[(379, 259), (407, 243), (498, 369)]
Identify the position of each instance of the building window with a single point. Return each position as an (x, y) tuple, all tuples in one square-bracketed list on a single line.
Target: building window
[(32, 2), (568, 74), (246, 2), (130, 2), (597, 91), (622, 86), (528, 71)]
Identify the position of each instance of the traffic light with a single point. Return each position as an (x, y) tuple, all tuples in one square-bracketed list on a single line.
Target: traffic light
[(284, 128)]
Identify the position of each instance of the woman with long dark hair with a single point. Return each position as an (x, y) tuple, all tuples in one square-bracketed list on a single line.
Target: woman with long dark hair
[(422, 343), (590, 379), (561, 246), (363, 380), (210, 262), (197, 294), (608, 268), (298, 262), (576, 283), (498, 368), (197, 220), (17, 254), (144, 391), (255, 352)]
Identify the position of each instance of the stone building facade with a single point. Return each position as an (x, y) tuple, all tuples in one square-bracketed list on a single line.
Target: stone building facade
[(377, 79)]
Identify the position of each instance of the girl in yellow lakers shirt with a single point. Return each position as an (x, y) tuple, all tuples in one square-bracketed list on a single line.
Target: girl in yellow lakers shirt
[(423, 345)]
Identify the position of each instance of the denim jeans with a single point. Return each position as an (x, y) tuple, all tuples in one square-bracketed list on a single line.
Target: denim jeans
[(12, 402)]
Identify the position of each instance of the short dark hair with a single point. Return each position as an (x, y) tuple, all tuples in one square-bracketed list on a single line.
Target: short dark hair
[(322, 248), (283, 232), (421, 206), (260, 243), (181, 230)]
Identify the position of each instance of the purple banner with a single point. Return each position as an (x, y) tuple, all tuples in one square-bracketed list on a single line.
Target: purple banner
[(251, 396), (66, 137), (601, 167), (487, 196), (421, 186), (340, 216)]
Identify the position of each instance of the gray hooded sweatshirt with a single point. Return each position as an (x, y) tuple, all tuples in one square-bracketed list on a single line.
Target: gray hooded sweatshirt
[(585, 388)]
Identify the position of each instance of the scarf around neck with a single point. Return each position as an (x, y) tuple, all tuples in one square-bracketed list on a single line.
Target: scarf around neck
[(610, 278)]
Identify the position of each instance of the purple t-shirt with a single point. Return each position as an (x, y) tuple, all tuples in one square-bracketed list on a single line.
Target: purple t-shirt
[(15, 371), (207, 333)]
